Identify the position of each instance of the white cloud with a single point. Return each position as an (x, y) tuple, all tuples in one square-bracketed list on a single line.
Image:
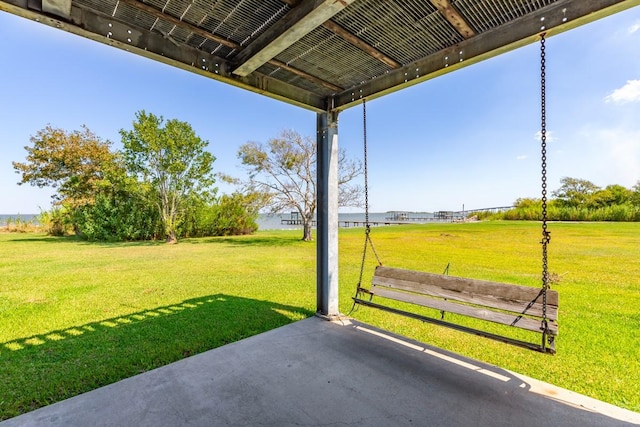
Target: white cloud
[(550, 137), (634, 28), (523, 157), (630, 92)]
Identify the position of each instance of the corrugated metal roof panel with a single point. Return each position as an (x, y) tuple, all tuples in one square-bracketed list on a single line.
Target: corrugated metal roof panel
[(405, 31), (484, 15)]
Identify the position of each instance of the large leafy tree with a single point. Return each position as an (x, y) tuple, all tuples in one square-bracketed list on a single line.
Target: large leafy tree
[(574, 192), (76, 163), (171, 158), (284, 170)]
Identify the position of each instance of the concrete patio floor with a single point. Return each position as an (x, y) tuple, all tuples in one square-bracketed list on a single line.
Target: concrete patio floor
[(314, 372)]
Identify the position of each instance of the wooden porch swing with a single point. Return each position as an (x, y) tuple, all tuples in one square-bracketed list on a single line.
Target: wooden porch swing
[(523, 307)]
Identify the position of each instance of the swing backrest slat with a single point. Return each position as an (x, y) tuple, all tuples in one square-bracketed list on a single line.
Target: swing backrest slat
[(519, 306)]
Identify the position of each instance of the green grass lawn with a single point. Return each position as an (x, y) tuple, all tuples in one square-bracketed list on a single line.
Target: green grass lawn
[(75, 315)]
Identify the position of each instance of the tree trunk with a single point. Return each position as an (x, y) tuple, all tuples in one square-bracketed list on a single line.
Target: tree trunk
[(307, 225), (171, 237), (169, 218)]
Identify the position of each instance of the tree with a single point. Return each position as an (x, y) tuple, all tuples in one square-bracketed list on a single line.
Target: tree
[(73, 162), (611, 195), (285, 172), (635, 194), (527, 203), (575, 192), (172, 159)]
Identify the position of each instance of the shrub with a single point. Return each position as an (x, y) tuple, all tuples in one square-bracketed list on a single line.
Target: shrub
[(229, 215), (556, 212), (56, 222), (118, 216), (18, 225), (233, 216)]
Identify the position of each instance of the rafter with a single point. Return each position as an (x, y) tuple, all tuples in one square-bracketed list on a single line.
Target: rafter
[(304, 75), (296, 24), (353, 39), (361, 44), (454, 17)]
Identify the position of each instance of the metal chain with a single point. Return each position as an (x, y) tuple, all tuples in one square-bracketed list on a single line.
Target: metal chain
[(366, 170), (366, 184), (366, 194), (546, 235), (367, 238)]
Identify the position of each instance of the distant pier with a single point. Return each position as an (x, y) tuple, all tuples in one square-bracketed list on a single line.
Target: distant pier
[(345, 223), (402, 218), (295, 221)]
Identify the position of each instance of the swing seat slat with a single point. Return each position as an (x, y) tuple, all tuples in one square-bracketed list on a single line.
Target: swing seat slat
[(517, 306)]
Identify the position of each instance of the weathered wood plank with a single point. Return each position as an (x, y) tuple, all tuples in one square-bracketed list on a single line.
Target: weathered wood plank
[(458, 327), (519, 307), (465, 310), (504, 291)]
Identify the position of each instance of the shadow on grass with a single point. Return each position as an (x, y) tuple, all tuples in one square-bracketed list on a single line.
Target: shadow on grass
[(44, 239), (42, 369), (245, 240), (80, 240), (279, 241)]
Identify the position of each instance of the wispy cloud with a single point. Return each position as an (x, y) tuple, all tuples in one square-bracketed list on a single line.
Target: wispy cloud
[(630, 92), (634, 28), (522, 157), (549, 134)]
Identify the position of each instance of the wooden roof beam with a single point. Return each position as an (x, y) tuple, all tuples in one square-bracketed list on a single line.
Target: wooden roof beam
[(361, 44), (454, 17), (296, 24)]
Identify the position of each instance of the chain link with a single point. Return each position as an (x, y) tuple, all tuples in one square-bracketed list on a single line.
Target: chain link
[(367, 238), (366, 169), (366, 193), (546, 235)]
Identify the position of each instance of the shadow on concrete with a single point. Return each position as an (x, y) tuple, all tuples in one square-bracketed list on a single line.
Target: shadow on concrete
[(45, 368)]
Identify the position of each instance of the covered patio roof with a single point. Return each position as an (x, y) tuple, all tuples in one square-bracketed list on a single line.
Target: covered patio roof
[(323, 55)]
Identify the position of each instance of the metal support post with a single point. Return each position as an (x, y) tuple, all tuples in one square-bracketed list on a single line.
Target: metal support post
[(327, 216)]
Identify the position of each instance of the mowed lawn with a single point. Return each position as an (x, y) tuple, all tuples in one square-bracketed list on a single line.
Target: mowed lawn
[(75, 315)]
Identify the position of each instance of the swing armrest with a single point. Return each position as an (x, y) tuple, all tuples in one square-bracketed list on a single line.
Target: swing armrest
[(366, 291)]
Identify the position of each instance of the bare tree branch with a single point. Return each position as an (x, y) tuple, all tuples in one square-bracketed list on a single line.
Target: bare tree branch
[(285, 169)]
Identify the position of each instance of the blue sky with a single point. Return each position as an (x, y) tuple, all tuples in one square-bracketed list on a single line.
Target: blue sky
[(468, 137)]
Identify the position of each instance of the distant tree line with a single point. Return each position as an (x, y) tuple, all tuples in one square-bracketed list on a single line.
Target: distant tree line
[(159, 186), (579, 200)]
